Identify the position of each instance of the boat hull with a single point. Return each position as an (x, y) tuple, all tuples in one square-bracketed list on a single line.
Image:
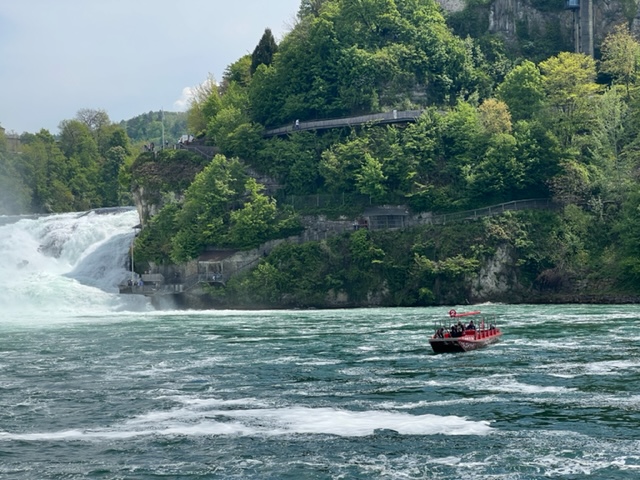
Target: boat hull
[(464, 343)]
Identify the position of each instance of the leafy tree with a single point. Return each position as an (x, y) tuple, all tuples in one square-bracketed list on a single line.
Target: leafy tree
[(370, 178), (294, 161), (239, 72), (627, 229), (113, 161), (205, 104), (206, 207), (340, 163), (569, 82), (94, 119), (255, 222), (541, 155), (621, 56), (79, 145), (463, 143), (153, 244), (495, 116), (222, 125), (523, 91), (567, 78), (48, 174), (352, 56), (310, 7)]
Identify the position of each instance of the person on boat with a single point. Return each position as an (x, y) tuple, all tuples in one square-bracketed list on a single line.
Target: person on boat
[(455, 331), (440, 333), (471, 326)]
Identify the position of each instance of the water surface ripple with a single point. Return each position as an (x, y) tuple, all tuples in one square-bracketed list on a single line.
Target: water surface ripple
[(338, 394)]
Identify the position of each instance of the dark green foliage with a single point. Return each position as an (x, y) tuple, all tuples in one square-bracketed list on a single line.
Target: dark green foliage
[(538, 43), (368, 267), (222, 206), (153, 244), (627, 231), (472, 21), (264, 51), (351, 57)]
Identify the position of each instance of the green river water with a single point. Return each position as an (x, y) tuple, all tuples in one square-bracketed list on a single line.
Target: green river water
[(336, 394)]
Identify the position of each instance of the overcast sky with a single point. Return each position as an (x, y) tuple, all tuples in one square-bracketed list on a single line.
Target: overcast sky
[(126, 57)]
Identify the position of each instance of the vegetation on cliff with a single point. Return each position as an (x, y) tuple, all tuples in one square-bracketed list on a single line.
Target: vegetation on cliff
[(498, 124)]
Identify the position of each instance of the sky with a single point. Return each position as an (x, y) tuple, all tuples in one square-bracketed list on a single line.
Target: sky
[(126, 57)]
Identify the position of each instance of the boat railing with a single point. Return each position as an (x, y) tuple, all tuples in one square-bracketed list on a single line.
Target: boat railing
[(485, 325)]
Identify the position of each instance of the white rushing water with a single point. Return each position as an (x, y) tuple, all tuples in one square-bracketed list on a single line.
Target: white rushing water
[(64, 265)]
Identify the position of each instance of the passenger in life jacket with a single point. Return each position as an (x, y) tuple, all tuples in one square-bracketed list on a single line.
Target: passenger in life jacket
[(471, 326)]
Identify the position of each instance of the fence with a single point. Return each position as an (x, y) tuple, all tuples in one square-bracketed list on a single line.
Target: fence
[(394, 116), (530, 204)]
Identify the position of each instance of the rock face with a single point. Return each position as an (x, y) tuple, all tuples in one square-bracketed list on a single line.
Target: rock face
[(497, 278), (535, 19)]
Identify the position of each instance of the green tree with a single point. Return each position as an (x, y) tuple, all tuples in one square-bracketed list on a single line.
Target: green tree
[(48, 174), (567, 78), (621, 56), (495, 116), (239, 72), (256, 221), (569, 82), (370, 178), (205, 104), (113, 161), (523, 91), (80, 147), (206, 207), (264, 51)]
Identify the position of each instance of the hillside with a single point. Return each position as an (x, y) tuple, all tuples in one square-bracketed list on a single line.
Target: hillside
[(494, 127)]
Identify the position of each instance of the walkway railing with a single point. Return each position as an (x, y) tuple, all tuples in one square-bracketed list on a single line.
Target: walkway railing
[(190, 282), (477, 213), (395, 116)]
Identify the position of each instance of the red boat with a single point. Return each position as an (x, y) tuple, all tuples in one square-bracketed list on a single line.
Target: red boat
[(462, 338)]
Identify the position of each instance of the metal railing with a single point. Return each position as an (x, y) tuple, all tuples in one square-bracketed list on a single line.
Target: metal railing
[(394, 116), (156, 288), (477, 213)]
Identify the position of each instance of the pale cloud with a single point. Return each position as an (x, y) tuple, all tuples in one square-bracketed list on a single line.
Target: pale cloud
[(182, 103), (125, 57)]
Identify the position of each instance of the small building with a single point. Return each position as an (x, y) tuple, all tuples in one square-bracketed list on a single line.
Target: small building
[(211, 264), (387, 217)]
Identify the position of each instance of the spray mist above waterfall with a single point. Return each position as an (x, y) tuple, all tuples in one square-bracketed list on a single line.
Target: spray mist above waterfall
[(68, 263)]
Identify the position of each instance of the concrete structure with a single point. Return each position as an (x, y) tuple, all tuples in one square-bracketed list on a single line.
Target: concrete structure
[(582, 25)]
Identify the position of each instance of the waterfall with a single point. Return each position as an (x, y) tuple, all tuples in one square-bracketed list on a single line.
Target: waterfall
[(63, 265)]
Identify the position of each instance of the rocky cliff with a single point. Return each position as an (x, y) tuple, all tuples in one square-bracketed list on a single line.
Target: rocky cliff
[(536, 20)]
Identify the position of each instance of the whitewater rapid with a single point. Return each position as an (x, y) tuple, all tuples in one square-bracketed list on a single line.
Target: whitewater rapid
[(57, 266)]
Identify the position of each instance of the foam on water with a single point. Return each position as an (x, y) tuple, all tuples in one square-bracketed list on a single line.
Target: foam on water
[(60, 266), (195, 420)]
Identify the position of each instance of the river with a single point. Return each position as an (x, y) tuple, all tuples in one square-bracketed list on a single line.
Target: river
[(102, 386)]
